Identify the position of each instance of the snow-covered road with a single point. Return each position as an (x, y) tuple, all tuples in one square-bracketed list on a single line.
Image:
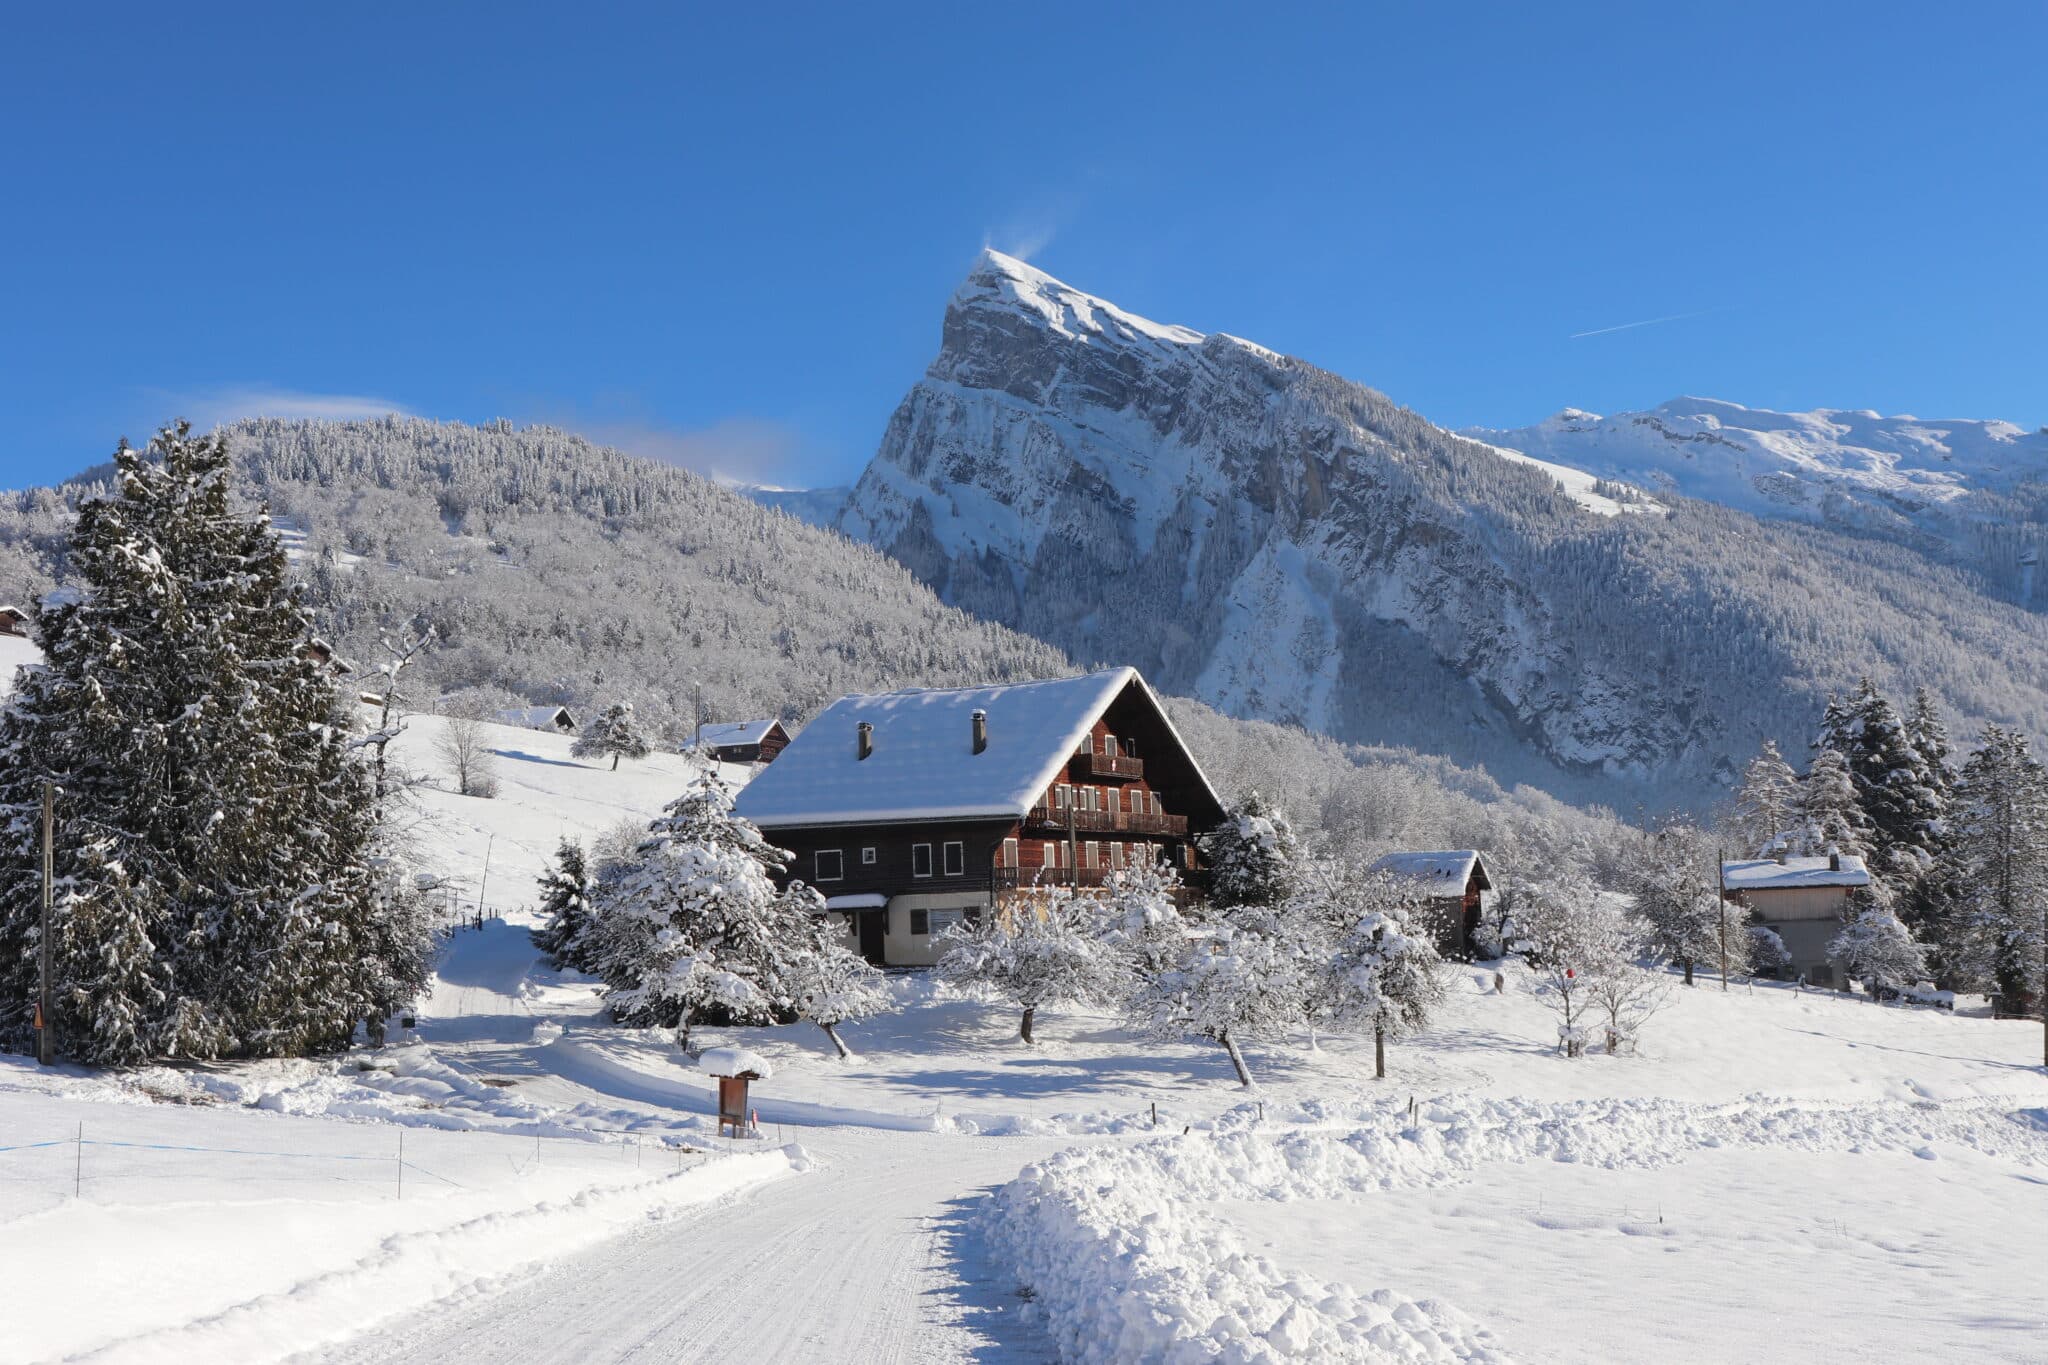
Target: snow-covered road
[(868, 1256)]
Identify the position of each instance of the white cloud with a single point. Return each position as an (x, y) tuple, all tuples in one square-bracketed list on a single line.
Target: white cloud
[(208, 408), (732, 450)]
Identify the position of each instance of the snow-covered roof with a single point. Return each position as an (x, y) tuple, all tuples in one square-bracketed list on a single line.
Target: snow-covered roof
[(1444, 871), (734, 1061), (9, 609), (923, 766), (1767, 874), (859, 900), (730, 733)]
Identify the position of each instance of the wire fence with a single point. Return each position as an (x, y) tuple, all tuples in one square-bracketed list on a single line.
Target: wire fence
[(355, 1162)]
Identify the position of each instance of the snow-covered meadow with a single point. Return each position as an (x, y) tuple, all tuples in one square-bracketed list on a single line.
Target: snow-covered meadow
[(1774, 1166)]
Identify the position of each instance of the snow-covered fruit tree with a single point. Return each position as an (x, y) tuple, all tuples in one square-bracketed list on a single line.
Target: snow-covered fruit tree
[(613, 731), (1875, 948), (564, 935), (1230, 984), (835, 985), (1252, 856), (693, 928), (1141, 921), (1678, 900), (1570, 934), (220, 887), (1038, 949), (1383, 978)]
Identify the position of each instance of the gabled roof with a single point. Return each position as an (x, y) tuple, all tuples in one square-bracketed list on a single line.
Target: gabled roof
[(924, 767), (1443, 872), (726, 734), (1768, 874), (538, 717)]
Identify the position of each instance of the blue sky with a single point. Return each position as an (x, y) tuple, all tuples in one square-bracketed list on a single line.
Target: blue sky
[(729, 240)]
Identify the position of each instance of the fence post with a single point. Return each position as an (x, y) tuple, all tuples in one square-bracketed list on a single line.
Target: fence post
[(78, 1162)]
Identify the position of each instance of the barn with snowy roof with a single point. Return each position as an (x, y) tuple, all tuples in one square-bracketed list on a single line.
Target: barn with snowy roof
[(742, 741), (1449, 884), (916, 809)]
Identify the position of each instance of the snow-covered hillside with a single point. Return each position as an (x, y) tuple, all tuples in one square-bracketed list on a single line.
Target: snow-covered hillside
[(1962, 482), (1288, 545)]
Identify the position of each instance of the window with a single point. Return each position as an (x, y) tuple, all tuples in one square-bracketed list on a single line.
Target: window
[(920, 860), (1060, 796), (1088, 799), (867, 857), (831, 864), (1091, 854), (956, 858), (942, 920), (1009, 853), (1109, 746), (1052, 854), (1130, 748), (920, 922)]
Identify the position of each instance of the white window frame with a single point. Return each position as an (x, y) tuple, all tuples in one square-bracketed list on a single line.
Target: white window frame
[(1010, 853), (953, 858), (925, 849), (939, 921), (838, 855), (867, 856)]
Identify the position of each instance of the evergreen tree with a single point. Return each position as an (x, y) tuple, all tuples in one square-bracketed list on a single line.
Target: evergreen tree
[(563, 938), (221, 882), (1766, 804), (614, 732), (1899, 797), (1998, 869), (1831, 815), (1252, 856)]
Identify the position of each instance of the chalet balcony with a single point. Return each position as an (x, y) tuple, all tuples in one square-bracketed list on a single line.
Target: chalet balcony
[(1026, 878), (1094, 767), (1107, 821)]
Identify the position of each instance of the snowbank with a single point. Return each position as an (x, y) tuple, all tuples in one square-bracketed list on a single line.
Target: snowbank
[(1112, 1247)]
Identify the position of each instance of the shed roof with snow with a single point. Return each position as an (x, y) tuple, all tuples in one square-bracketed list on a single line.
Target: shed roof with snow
[(1768, 874), (539, 717), (732, 733), (922, 764), (1441, 872)]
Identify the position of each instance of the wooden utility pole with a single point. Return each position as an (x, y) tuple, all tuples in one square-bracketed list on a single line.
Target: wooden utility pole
[(46, 1027), (485, 884), (1721, 895)]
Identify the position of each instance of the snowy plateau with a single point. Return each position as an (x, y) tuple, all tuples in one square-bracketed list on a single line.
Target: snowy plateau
[(1615, 610), (518, 1180)]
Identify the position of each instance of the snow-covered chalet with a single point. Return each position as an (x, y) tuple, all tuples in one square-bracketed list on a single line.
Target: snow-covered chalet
[(742, 741), (910, 811), (1449, 884), (1804, 901)]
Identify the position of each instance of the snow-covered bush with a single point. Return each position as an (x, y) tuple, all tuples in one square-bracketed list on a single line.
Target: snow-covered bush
[(1875, 948)]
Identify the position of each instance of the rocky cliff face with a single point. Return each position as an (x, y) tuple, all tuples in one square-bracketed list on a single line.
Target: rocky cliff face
[(1288, 545)]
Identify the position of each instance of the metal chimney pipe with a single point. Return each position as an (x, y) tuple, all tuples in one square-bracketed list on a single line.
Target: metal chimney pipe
[(980, 731), (867, 739)]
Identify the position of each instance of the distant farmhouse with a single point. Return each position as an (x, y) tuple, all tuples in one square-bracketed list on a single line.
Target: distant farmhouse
[(913, 810), (1448, 883), (743, 741), (556, 718), (13, 621), (1804, 901)]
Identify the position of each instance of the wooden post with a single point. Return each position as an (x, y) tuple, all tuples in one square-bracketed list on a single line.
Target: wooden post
[(485, 884), (46, 1030)]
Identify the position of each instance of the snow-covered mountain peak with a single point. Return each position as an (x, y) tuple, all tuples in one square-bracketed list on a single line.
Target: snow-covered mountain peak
[(1005, 282)]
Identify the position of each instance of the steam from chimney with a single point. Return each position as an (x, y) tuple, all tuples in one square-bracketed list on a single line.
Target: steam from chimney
[(980, 731), (867, 739)]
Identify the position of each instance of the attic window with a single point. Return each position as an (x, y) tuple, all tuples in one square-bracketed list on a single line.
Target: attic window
[(831, 864)]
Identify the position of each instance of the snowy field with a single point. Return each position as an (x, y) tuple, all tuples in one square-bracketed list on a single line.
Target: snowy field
[(1777, 1171)]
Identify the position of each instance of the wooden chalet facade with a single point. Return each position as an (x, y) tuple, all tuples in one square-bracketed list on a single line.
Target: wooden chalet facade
[(743, 741), (1449, 884), (912, 810)]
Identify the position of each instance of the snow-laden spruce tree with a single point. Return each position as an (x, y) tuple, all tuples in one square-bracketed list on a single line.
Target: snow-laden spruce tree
[(1039, 949), (615, 732), (1766, 807), (1231, 985), (1678, 900), (1875, 948), (1900, 796), (1831, 813), (835, 985), (1252, 856), (220, 890), (693, 929), (564, 935), (1998, 870), (1379, 976)]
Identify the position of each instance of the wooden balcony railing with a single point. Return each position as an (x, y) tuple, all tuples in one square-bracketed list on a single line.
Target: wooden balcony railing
[(1107, 822), (1101, 766), (1025, 878)]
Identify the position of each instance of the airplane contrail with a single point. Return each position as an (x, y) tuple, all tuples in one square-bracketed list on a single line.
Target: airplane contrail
[(1646, 322)]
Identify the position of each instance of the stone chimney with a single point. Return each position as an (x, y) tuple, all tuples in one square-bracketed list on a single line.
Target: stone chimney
[(1834, 861), (867, 739), (980, 731)]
